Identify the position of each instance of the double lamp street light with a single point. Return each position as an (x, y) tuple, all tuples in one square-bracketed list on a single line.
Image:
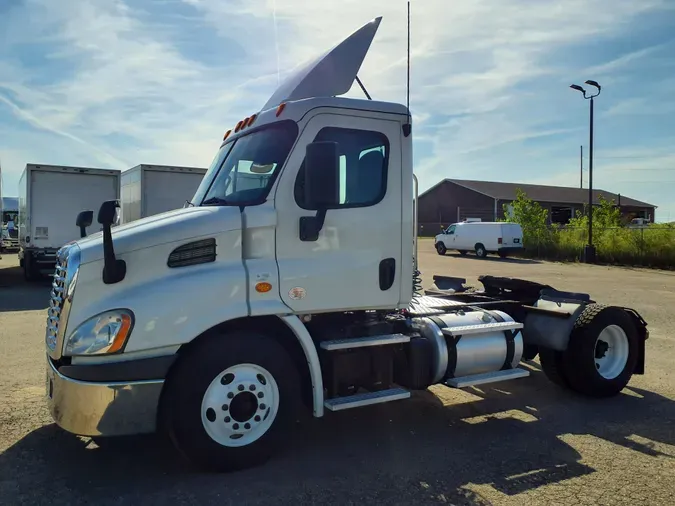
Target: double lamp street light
[(589, 250)]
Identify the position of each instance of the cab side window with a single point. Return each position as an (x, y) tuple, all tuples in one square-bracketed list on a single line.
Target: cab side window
[(451, 230), (364, 157)]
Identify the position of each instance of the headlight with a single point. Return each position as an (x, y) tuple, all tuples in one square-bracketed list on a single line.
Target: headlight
[(102, 334)]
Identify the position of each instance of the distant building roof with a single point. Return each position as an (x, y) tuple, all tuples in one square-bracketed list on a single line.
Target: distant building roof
[(540, 193)]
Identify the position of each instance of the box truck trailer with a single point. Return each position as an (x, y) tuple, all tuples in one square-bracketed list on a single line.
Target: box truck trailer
[(152, 189), (50, 197), (218, 322)]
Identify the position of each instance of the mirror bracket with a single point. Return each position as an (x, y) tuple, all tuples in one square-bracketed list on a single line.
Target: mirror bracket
[(311, 226)]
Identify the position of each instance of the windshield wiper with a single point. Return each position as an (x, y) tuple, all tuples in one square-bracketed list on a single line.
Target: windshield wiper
[(215, 201)]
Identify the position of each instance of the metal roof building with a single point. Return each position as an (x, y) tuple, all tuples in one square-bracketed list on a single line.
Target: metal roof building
[(453, 200)]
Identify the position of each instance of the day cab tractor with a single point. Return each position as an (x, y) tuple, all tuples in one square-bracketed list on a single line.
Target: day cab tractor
[(219, 322)]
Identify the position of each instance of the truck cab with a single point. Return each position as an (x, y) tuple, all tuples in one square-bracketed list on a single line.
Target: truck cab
[(216, 323)]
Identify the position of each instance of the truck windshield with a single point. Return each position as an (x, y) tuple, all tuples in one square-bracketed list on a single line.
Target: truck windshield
[(243, 170)]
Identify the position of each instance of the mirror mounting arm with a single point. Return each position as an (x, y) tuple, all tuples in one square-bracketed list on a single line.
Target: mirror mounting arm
[(311, 226), (114, 269)]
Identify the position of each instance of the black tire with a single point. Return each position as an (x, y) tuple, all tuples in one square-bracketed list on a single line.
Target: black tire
[(188, 380), (551, 364), (530, 351), (503, 254), (30, 273), (481, 252), (577, 364), (463, 252), (440, 248)]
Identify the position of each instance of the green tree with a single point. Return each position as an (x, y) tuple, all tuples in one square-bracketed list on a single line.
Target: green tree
[(530, 216), (605, 215)]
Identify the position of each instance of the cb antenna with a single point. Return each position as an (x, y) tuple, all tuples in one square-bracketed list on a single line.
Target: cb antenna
[(408, 128)]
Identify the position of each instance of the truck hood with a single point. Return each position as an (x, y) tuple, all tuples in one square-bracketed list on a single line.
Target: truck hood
[(171, 226)]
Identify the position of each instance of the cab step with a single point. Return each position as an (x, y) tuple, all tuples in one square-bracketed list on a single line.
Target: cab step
[(481, 328), (361, 342), (487, 377), (366, 399)]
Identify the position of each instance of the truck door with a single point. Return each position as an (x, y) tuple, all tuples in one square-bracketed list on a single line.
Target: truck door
[(356, 261), (512, 236), (450, 237)]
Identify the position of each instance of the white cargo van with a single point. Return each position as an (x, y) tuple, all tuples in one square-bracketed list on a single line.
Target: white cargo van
[(482, 237)]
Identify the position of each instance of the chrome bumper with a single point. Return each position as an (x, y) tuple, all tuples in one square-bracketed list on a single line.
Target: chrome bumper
[(102, 409)]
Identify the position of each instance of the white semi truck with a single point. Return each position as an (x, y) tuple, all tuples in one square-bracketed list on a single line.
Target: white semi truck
[(218, 322), (153, 189), (49, 197)]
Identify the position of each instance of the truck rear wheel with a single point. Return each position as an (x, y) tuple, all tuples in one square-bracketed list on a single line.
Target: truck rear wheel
[(30, 272), (601, 354), (229, 400)]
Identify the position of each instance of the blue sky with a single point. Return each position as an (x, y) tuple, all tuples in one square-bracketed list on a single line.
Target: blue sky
[(115, 83)]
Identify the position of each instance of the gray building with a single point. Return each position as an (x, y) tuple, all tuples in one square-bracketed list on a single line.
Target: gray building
[(453, 200)]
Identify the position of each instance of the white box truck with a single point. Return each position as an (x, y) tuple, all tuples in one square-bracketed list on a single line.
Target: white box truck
[(219, 322), (50, 198), (152, 189)]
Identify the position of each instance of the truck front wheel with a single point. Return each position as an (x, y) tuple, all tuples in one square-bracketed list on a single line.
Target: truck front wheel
[(229, 400), (440, 248), (601, 354)]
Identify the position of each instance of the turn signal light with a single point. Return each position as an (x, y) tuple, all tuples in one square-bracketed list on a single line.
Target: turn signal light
[(263, 287), (238, 127), (227, 134), (280, 109), (252, 119)]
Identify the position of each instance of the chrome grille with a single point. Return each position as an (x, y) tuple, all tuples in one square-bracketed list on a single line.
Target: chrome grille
[(56, 303), (63, 284)]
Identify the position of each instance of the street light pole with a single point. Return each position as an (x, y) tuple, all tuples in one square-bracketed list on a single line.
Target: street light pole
[(590, 254), (589, 251)]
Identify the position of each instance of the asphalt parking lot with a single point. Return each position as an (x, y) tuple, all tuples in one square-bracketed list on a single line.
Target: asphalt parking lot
[(522, 442)]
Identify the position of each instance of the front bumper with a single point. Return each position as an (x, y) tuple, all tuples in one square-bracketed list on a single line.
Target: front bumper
[(102, 408)]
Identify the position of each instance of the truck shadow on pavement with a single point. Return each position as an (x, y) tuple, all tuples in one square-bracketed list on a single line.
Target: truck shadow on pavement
[(432, 448), (16, 294)]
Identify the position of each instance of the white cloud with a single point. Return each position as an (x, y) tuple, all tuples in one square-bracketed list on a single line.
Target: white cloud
[(486, 78)]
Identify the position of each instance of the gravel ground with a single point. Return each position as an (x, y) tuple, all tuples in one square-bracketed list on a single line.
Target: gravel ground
[(522, 442)]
